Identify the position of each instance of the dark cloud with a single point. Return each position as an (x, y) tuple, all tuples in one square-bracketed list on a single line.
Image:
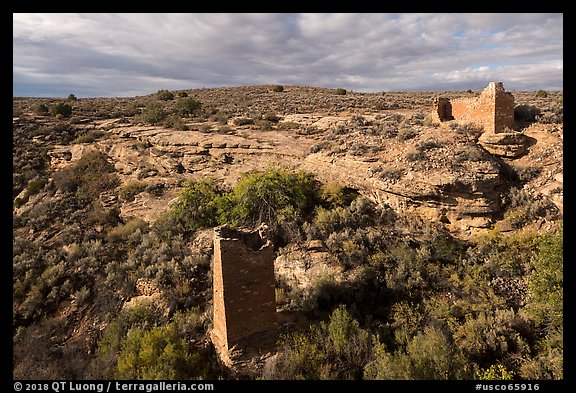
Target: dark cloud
[(134, 54)]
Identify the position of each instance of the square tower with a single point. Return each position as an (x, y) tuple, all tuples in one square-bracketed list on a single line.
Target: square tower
[(243, 286)]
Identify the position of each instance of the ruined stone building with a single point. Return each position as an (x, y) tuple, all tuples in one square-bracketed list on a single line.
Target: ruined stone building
[(493, 109), (243, 285)]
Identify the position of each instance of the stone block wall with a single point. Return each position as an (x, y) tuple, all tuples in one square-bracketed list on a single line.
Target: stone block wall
[(493, 109), (243, 286), (504, 111)]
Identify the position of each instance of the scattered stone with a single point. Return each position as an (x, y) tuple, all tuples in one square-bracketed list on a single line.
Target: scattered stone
[(315, 245), (559, 177)]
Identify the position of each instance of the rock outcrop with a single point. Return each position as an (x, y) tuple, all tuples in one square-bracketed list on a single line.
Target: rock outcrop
[(504, 144)]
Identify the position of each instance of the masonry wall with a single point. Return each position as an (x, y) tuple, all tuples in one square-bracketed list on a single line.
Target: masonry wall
[(475, 110), (244, 296), (493, 109), (504, 113)]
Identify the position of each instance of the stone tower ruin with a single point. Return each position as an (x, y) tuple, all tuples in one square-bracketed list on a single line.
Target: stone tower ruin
[(243, 286), (493, 109)]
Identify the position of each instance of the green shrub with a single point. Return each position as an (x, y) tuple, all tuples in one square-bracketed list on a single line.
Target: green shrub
[(391, 173), (164, 95), (521, 208), (143, 316), (153, 113), (414, 154), (122, 232), (82, 295), (288, 125), (218, 116), (342, 328), (278, 197), (541, 94), (359, 214), (327, 221), (337, 349), (429, 355), (388, 366), (408, 320), (433, 356), (271, 117), (333, 195), (324, 294), (526, 113), (546, 283), (265, 196), (494, 372), (61, 109), (406, 133), (302, 359), (470, 130), (162, 352), (41, 110), (198, 205), (89, 176), (89, 137), (174, 121), (548, 363), (464, 153), (187, 106), (156, 189), (33, 188), (278, 88), (242, 121), (340, 92), (263, 125), (131, 189), (86, 138), (528, 173), (159, 353), (491, 335)]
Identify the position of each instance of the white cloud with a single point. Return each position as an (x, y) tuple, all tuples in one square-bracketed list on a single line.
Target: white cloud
[(115, 53)]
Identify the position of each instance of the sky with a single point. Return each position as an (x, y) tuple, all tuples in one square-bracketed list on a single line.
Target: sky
[(124, 55)]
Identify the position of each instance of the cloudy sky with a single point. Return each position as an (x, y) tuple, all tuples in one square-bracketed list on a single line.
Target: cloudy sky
[(103, 55)]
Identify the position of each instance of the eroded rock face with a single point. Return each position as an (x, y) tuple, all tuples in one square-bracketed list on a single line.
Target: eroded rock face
[(302, 268), (464, 188), (392, 157)]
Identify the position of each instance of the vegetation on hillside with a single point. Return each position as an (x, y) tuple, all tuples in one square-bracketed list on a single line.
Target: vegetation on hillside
[(417, 303), (425, 305)]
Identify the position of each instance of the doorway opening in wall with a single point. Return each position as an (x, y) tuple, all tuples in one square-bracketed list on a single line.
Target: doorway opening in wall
[(444, 109)]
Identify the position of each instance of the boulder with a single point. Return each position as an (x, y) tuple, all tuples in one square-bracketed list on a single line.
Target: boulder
[(504, 144)]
